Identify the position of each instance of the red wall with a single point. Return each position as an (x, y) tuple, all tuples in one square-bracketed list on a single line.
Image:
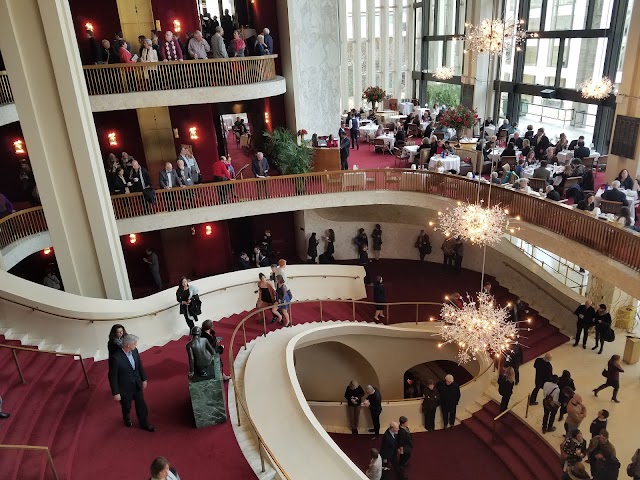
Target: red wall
[(205, 147), (103, 15), (10, 163), (166, 11), (127, 129)]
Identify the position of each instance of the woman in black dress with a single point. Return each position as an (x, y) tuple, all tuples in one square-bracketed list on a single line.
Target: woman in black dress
[(376, 236), (379, 297), (116, 335), (189, 301), (327, 256), (312, 250), (506, 382)]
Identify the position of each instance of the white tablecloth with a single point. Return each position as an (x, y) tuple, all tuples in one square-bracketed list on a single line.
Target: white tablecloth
[(632, 198), (451, 162), (405, 107), (490, 130), (390, 140), (565, 156), (496, 152), (420, 110), (355, 179), (395, 118), (368, 130), (411, 150), (528, 171)]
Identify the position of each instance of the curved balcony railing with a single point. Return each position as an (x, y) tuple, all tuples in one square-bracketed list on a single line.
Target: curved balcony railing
[(145, 77), (608, 238), (6, 95)]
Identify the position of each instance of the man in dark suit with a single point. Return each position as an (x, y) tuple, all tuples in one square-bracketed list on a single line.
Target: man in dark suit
[(449, 398), (615, 195), (375, 408), (169, 179), (405, 445), (141, 182), (517, 140), (574, 143), (128, 381), (354, 131), (581, 151), (552, 193), (540, 143), (268, 40), (344, 151), (542, 172), (586, 315), (260, 169), (544, 372), (389, 446)]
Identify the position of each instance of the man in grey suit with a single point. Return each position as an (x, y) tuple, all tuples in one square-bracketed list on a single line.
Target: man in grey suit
[(169, 179), (218, 50), (542, 172)]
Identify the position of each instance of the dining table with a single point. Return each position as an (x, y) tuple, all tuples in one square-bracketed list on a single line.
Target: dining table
[(528, 171), (567, 155), (405, 107), (369, 131), (450, 162), (410, 150), (388, 138), (632, 199)]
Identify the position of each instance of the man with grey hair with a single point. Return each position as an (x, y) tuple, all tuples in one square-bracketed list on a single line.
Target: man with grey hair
[(389, 447), (260, 48), (374, 402), (268, 39), (615, 195), (449, 398), (552, 193), (128, 381), (218, 50), (198, 46)]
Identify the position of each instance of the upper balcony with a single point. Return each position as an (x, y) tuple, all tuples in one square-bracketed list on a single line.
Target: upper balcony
[(136, 85)]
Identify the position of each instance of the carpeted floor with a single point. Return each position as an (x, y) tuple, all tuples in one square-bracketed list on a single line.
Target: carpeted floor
[(85, 430)]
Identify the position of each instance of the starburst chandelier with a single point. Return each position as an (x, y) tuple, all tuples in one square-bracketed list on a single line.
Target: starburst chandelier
[(443, 73), (494, 36), (597, 89), (480, 226), (478, 328)]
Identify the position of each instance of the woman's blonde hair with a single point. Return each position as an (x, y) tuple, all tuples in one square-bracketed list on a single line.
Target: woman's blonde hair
[(510, 374)]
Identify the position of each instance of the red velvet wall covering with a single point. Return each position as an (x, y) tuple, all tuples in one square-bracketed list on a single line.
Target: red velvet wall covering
[(127, 129), (186, 12), (103, 15)]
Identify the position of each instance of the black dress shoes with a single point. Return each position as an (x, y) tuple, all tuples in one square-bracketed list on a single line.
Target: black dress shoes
[(127, 422), (4, 415), (148, 428)]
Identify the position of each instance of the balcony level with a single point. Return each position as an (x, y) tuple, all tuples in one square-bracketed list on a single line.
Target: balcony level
[(138, 85)]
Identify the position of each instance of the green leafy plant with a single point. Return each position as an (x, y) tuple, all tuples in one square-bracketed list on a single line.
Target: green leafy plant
[(283, 149), (443, 93)]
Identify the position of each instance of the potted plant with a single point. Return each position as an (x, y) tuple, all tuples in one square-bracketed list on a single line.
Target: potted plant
[(373, 95), (459, 118), (291, 158)]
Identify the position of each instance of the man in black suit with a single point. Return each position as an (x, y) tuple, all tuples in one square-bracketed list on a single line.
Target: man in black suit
[(141, 182), (542, 172), (375, 408), (615, 195), (540, 143), (544, 372), (389, 446), (517, 140), (344, 150), (449, 398), (586, 315), (405, 445), (574, 143), (128, 381), (581, 151), (552, 193)]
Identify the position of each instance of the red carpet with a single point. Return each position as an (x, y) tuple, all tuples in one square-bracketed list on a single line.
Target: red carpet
[(55, 407)]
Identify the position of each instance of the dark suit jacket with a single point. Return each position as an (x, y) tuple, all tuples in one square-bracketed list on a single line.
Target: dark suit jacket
[(137, 186), (344, 148), (573, 144), (375, 401), (118, 185), (164, 179), (553, 195), (615, 195), (518, 142), (581, 152), (389, 446), (123, 379), (540, 144), (404, 440), (449, 394), (541, 172)]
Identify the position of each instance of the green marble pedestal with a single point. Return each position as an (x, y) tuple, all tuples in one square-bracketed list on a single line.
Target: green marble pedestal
[(207, 398)]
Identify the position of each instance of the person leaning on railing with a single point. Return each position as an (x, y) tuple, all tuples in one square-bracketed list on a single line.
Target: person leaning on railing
[(260, 47), (148, 53), (198, 46), (170, 48)]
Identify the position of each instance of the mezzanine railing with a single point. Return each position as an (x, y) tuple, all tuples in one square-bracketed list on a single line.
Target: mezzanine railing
[(608, 238), (6, 96)]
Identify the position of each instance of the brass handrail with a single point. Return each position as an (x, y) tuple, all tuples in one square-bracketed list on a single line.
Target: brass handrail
[(15, 349), (34, 448), (512, 407), (155, 312), (236, 386)]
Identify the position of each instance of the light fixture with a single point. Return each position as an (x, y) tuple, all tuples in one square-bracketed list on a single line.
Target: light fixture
[(596, 89), (133, 238), (193, 133), (472, 222), (266, 117), (113, 141), (443, 73), (89, 26), (18, 146), (208, 230), (478, 328), (47, 251), (494, 36), (176, 26)]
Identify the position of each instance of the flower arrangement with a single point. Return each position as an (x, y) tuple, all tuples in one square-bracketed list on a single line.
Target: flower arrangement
[(374, 95), (459, 118), (302, 132)]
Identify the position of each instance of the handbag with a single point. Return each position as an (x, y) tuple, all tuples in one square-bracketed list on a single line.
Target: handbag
[(548, 402), (609, 335), (605, 373), (195, 307), (633, 466)]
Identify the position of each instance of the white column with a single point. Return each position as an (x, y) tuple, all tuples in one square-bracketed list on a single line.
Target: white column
[(384, 45), (371, 42), (397, 50), (411, 43), (39, 46), (357, 54), (344, 64)]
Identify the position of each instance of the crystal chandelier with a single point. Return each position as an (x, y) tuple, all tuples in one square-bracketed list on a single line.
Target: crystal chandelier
[(480, 226), (478, 328), (596, 89), (443, 73), (494, 36)]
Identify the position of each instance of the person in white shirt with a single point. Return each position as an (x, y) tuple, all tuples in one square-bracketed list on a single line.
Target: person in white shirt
[(550, 389), (148, 53), (374, 471)]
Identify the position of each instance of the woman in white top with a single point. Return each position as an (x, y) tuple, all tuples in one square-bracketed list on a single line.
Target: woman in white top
[(624, 217), (148, 53), (374, 471)]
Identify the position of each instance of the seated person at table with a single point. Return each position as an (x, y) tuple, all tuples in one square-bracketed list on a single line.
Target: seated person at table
[(517, 140), (407, 122), (521, 184), (442, 129), (578, 168), (581, 151), (416, 122), (372, 117), (379, 131), (551, 155), (563, 143), (332, 142), (400, 135), (437, 148), (520, 168), (624, 217), (615, 195), (552, 194), (507, 175), (529, 133), (587, 180), (513, 128), (526, 148), (426, 116), (504, 126), (559, 179), (487, 150), (625, 180), (449, 148), (424, 144), (574, 143), (542, 172), (510, 150), (495, 179), (314, 140), (530, 159), (428, 130), (588, 204)]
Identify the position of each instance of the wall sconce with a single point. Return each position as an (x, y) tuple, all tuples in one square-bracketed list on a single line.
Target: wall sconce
[(208, 230), (113, 141), (18, 145), (193, 133), (133, 238), (266, 117), (47, 251), (176, 26), (88, 26)]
